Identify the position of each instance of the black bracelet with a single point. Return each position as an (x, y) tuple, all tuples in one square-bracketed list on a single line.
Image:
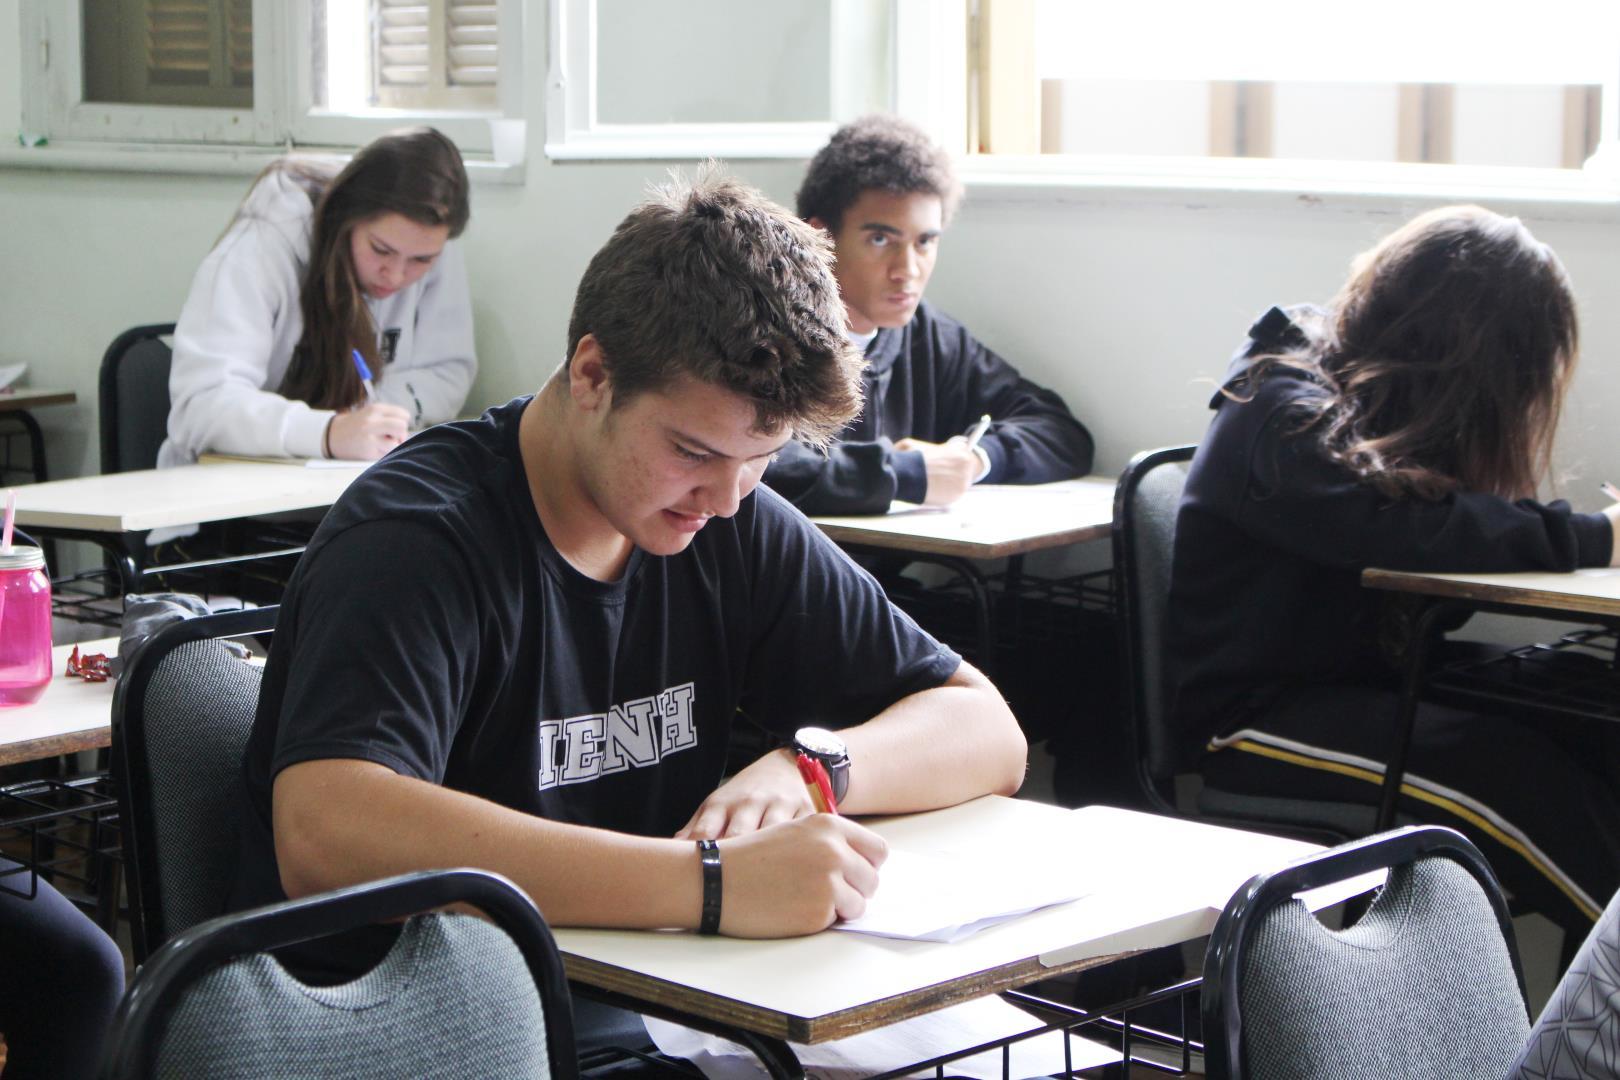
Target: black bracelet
[(709, 858)]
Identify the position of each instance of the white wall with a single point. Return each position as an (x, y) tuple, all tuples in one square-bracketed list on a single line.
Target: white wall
[(1122, 305)]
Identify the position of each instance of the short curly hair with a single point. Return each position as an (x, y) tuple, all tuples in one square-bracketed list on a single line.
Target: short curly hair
[(883, 152), (708, 279)]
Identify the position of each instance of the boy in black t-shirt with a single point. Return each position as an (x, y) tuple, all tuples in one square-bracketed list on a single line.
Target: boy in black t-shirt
[(885, 192), (520, 642)]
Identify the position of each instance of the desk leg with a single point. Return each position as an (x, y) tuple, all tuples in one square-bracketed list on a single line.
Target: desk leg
[(1423, 636), (36, 443), (982, 609)]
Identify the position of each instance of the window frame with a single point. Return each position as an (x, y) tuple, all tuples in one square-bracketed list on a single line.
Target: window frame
[(53, 90), (573, 133), (283, 115)]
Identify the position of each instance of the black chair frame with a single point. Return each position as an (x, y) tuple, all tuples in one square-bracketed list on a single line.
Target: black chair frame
[(1221, 1005), (134, 1038), (107, 389), (147, 926), (1125, 565)]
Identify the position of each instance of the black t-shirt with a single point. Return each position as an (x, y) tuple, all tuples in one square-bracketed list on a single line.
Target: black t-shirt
[(432, 627)]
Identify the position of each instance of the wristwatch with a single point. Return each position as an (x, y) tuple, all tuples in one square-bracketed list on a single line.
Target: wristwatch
[(826, 747)]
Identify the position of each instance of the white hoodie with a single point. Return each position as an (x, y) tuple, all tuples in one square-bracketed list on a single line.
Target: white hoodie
[(241, 321)]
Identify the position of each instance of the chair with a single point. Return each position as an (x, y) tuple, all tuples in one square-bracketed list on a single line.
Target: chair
[(455, 996), (180, 720), (1426, 983), (133, 398), (1577, 1034), (1146, 501)]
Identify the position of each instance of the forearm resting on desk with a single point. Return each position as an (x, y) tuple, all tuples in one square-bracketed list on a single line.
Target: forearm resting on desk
[(936, 748), (339, 822), (931, 749)]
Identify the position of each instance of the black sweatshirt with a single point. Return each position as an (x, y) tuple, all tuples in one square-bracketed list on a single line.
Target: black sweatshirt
[(1271, 539), (930, 380)]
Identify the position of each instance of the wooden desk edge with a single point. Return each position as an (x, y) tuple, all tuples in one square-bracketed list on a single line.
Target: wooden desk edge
[(1425, 585), (49, 746), (835, 1025), (966, 549), (25, 397)]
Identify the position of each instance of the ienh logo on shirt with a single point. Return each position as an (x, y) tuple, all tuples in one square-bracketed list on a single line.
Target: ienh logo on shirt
[(636, 734)]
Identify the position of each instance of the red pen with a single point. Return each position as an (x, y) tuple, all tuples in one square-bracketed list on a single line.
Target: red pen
[(820, 784)]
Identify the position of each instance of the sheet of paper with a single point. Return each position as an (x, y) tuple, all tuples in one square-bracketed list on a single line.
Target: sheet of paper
[(10, 373), (926, 897), (896, 1045)]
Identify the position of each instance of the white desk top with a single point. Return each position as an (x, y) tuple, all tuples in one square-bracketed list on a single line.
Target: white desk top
[(990, 522), (1588, 592), (189, 494), (1171, 878), (73, 715)]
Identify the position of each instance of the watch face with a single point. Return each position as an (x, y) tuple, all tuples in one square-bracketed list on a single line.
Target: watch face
[(821, 742)]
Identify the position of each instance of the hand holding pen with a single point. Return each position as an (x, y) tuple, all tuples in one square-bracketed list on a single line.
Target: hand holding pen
[(368, 432)]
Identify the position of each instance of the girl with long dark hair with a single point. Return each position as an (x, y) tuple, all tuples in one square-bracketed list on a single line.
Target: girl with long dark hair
[(320, 264), (1405, 426)]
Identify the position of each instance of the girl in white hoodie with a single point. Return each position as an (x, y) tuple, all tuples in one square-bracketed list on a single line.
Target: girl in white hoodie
[(314, 268)]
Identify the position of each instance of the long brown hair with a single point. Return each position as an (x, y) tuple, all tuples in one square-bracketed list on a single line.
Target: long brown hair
[(1444, 359), (416, 173)]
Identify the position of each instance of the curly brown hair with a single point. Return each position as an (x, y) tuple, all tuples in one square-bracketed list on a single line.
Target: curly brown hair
[(710, 280), (1444, 359), (882, 152)]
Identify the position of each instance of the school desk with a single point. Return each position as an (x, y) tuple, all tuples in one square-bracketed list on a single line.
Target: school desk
[(107, 510), (1158, 881), (16, 404), (991, 521), (1528, 677), (72, 715)]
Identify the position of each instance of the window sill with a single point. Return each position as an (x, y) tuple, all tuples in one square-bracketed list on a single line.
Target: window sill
[(1592, 194), (201, 160)]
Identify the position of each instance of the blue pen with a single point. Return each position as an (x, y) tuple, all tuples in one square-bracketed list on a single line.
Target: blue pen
[(365, 376)]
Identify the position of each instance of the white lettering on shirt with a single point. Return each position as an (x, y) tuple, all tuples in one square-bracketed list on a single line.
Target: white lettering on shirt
[(632, 735)]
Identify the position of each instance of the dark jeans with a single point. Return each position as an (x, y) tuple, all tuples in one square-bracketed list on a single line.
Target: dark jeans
[(61, 978)]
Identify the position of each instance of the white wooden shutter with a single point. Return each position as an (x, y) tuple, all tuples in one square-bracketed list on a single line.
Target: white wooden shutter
[(472, 39), (437, 54)]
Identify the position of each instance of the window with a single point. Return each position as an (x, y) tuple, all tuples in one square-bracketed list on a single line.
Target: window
[(422, 55), (217, 71), (1486, 83), (169, 52), (730, 78)]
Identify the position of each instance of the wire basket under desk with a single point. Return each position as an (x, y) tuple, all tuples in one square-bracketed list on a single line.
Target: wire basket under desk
[(1574, 675), (64, 830)]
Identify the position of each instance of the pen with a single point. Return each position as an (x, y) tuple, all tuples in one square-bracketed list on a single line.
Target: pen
[(1611, 491), (978, 431), (820, 784), (365, 376)]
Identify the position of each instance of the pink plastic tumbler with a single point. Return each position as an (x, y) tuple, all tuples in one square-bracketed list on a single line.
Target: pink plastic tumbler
[(25, 626)]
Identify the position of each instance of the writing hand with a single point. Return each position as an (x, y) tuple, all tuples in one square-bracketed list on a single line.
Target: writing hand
[(798, 877), (767, 792), (950, 466), (367, 433)]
